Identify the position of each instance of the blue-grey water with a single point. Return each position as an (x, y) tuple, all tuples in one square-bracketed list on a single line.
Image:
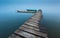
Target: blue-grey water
[(10, 20)]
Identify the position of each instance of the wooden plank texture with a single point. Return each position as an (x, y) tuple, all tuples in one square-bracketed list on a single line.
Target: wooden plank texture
[(31, 28)]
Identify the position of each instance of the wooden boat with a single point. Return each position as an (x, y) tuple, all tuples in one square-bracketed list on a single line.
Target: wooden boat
[(27, 11)]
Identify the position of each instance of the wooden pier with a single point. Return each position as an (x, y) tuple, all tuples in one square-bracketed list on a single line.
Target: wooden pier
[(31, 28)]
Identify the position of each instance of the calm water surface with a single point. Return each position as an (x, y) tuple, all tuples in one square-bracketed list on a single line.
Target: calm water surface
[(10, 20)]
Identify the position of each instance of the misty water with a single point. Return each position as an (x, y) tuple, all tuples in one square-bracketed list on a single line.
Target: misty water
[(10, 20)]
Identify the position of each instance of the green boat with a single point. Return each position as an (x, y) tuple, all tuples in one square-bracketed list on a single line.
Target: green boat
[(27, 11)]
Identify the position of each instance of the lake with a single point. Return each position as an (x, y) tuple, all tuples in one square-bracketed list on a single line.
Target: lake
[(10, 20)]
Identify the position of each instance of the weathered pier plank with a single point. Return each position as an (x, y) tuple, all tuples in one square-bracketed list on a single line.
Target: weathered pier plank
[(31, 28)]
